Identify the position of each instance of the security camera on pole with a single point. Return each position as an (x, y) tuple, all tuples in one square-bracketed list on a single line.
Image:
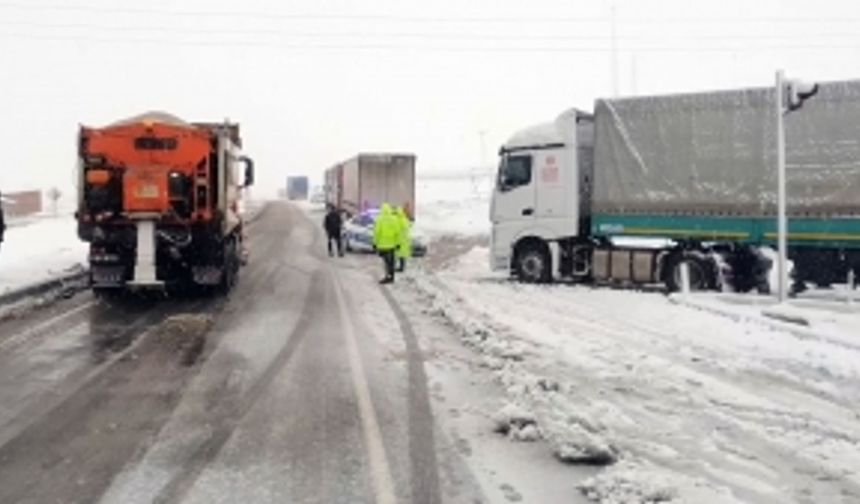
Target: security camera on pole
[(790, 95)]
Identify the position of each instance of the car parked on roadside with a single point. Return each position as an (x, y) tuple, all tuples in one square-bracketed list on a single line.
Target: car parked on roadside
[(358, 234)]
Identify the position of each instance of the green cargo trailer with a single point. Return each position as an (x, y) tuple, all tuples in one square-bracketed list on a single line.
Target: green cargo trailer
[(697, 171)]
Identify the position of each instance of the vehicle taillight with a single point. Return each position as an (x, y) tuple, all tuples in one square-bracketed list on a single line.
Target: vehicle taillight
[(98, 177)]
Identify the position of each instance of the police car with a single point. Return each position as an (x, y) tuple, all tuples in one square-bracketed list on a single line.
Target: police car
[(358, 234)]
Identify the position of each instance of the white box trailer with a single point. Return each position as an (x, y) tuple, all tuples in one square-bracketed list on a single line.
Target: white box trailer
[(369, 180)]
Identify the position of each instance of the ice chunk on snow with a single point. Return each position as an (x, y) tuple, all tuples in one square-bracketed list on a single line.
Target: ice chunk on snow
[(512, 416), (629, 483), (527, 434), (518, 423), (576, 445)]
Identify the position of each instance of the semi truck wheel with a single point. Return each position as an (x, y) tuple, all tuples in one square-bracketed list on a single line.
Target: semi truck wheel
[(533, 263), (749, 270), (700, 271)]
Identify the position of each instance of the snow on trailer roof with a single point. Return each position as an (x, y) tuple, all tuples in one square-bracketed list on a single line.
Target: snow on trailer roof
[(539, 134), (153, 116), (545, 134), (158, 117), (712, 153), (828, 91)]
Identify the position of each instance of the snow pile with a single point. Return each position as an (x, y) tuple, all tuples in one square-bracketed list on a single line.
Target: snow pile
[(773, 274), (537, 408), (683, 404), (40, 250)]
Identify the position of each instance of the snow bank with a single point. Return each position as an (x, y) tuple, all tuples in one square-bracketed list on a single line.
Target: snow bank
[(40, 250), (683, 404)]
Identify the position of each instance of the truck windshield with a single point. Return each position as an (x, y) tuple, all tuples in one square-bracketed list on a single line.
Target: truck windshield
[(514, 171)]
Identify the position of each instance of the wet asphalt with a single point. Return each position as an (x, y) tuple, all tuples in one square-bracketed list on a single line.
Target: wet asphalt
[(279, 392)]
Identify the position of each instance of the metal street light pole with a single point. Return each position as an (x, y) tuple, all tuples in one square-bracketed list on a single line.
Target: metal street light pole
[(782, 223)]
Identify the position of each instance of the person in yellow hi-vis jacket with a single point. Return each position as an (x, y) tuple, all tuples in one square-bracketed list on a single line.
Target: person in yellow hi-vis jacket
[(386, 239), (404, 250)]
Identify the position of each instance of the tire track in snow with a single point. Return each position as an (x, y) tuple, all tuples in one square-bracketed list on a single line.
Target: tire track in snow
[(233, 410), (424, 477), (43, 327), (71, 426), (231, 414)]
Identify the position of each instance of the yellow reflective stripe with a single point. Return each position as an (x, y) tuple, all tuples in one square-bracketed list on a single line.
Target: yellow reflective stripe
[(685, 232), (818, 236)]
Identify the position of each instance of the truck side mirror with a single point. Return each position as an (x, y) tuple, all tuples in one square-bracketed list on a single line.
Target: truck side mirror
[(502, 178), (505, 182), (249, 171)]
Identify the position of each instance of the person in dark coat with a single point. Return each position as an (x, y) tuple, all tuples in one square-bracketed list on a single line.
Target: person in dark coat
[(333, 224)]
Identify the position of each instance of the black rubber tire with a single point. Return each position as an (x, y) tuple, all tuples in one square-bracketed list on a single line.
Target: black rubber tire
[(533, 264), (700, 272), (231, 267)]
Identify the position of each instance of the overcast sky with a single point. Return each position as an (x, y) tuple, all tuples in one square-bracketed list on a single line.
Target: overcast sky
[(313, 82)]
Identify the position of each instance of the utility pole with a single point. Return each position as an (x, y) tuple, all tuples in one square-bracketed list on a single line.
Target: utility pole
[(789, 96), (781, 221)]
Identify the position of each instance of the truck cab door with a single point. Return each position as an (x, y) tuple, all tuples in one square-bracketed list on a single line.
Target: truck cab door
[(514, 196), (552, 198)]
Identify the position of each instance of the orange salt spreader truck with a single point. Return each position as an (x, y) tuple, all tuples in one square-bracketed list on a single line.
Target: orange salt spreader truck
[(158, 201)]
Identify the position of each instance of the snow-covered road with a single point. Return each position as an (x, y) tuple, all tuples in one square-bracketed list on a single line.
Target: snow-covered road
[(688, 403)]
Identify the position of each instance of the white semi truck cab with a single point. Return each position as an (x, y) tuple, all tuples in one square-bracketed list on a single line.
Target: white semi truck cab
[(542, 195)]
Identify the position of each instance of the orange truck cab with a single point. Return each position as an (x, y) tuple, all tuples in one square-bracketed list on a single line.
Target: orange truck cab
[(158, 202)]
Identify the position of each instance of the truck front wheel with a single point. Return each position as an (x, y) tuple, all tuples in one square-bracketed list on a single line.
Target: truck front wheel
[(533, 263), (230, 266)]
